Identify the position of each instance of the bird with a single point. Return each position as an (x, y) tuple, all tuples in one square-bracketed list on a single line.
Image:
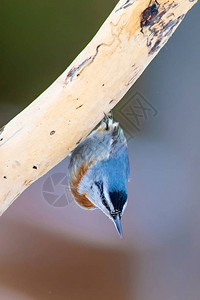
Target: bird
[(99, 171)]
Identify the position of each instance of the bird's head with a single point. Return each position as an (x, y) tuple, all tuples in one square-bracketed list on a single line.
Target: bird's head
[(119, 202), (112, 204)]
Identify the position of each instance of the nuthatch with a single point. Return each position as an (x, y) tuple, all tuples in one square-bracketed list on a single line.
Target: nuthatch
[(99, 171)]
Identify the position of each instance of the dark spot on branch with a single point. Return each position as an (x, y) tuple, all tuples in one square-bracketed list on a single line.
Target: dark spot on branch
[(172, 14), (155, 47), (71, 72), (125, 5), (4, 177), (103, 84), (167, 28), (1, 130), (159, 28), (75, 70), (78, 141), (79, 106), (52, 132), (111, 101), (148, 14), (34, 167), (27, 182)]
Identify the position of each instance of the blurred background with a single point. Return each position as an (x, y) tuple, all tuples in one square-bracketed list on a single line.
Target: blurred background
[(50, 248)]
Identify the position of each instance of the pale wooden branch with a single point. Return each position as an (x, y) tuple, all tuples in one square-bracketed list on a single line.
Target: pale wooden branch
[(50, 127)]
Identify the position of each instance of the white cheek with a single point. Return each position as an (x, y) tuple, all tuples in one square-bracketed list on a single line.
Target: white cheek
[(107, 196), (124, 207), (87, 186)]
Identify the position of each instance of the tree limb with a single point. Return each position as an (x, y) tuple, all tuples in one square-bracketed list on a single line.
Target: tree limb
[(50, 127)]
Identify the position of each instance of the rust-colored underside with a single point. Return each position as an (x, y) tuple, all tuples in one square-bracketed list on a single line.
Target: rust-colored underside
[(81, 199)]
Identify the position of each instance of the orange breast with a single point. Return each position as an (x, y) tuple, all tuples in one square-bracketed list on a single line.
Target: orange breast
[(81, 199)]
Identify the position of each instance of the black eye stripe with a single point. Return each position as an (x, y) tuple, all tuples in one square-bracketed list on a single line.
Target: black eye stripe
[(99, 184), (105, 204)]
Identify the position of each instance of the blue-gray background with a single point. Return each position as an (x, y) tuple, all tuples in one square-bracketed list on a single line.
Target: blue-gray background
[(50, 252)]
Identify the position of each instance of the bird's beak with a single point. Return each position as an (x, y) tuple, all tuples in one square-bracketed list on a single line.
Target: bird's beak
[(118, 226)]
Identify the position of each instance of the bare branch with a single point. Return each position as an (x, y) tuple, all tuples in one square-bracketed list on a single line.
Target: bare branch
[(50, 127)]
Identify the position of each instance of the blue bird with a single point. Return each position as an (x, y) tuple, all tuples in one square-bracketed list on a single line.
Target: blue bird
[(99, 171)]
